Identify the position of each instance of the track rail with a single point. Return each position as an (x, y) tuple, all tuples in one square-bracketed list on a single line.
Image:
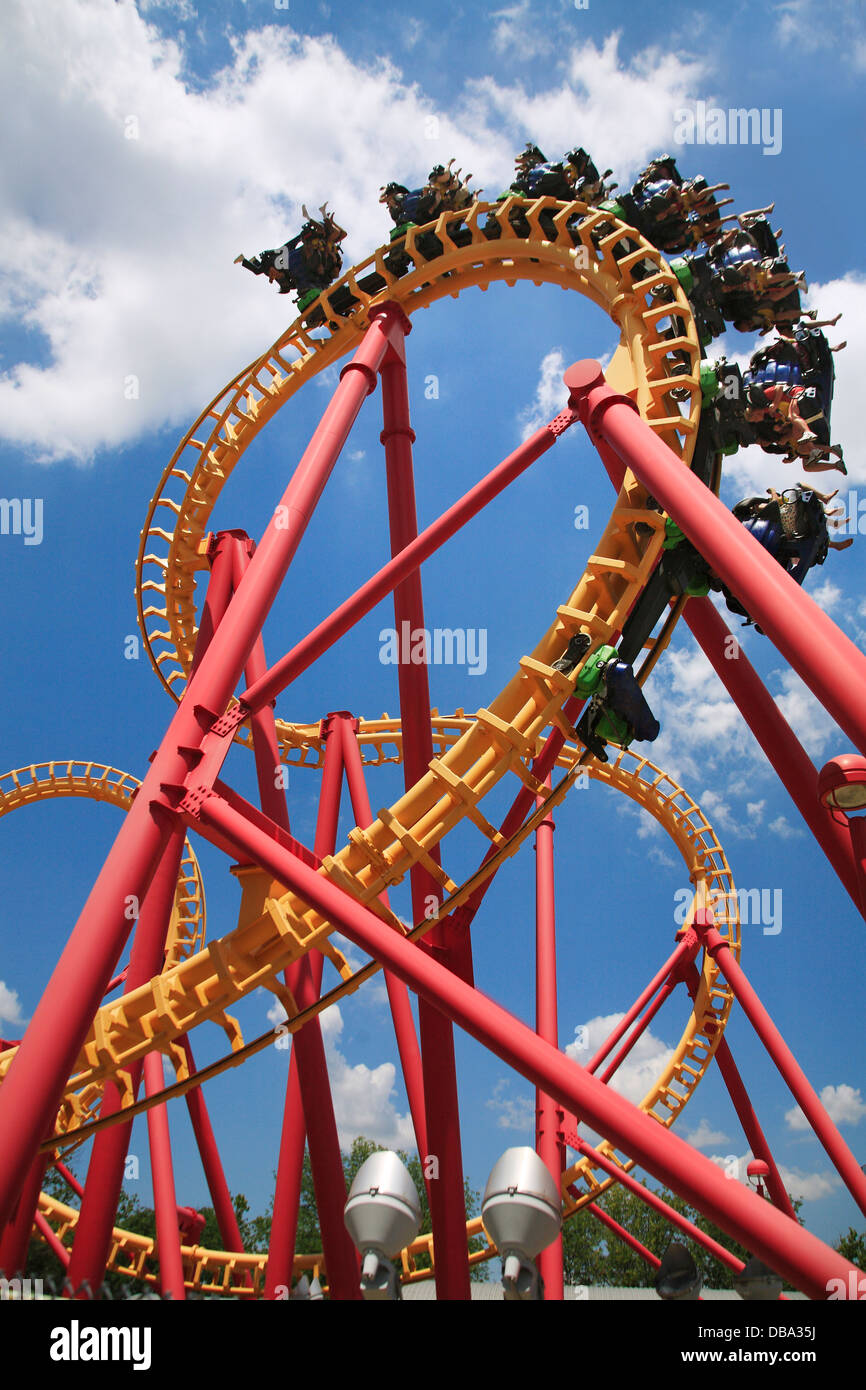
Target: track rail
[(143, 1013)]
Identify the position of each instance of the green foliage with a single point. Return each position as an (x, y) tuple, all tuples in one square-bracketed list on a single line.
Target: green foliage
[(594, 1255), (853, 1247)]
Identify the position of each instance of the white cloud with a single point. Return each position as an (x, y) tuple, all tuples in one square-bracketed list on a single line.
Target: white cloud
[(512, 1112), (517, 27), (597, 97), (808, 1186), (782, 827), (808, 25), (704, 1137), (121, 249), (362, 1095), (641, 1068), (11, 1019), (550, 394), (810, 721), (844, 1104)]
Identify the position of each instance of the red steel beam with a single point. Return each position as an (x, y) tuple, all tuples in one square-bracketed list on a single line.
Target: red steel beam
[(549, 1119), (162, 1173), (34, 1084), (658, 1204), (447, 1194), (829, 663), (787, 1065), (398, 995), (226, 1217), (792, 1251), (601, 1215), (289, 667), (792, 763)]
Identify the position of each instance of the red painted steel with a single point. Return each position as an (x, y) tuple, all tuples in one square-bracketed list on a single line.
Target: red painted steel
[(549, 1118), (795, 1253), (398, 995), (226, 1217), (790, 1070), (829, 663), (792, 763), (34, 1083), (162, 1172), (447, 1194), (92, 1241), (601, 1215), (289, 667)]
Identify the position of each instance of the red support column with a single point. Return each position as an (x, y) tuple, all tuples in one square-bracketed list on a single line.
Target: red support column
[(162, 1173), (829, 663), (601, 1215), (792, 1074), (224, 1211), (659, 1204), (549, 1119), (308, 1082), (447, 1195), (795, 769), (793, 1252), (92, 1240), (398, 995), (290, 666), (16, 1237), (34, 1084), (748, 1119)]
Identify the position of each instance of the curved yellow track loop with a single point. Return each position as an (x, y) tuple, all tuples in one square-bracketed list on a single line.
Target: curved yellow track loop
[(173, 540), (97, 782), (144, 1013)]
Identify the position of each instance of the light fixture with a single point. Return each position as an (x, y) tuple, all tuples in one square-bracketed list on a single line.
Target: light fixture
[(757, 1282), (842, 783), (678, 1278), (382, 1214), (522, 1214), (758, 1169)]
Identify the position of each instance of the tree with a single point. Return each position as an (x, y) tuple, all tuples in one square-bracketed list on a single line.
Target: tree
[(853, 1247)]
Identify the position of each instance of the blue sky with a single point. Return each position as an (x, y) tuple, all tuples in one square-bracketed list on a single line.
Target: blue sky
[(117, 262)]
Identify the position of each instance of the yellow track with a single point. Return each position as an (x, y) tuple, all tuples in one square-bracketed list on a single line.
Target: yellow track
[(96, 782), (708, 870), (472, 753)]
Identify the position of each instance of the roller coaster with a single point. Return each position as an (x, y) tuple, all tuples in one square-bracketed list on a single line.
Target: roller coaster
[(662, 420)]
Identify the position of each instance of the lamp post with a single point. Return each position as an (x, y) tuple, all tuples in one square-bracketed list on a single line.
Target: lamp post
[(842, 789)]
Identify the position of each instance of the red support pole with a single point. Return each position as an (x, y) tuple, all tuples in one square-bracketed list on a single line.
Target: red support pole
[(92, 1240), (659, 1204), (793, 1252), (792, 1074), (224, 1211), (398, 995), (34, 1084), (549, 1119), (289, 667), (641, 1027), (52, 1241), (162, 1172), (601, 1215), (447, 1194), (778, 741), (829, 663), (685, 946), (308, 1108), (16, 1237), (748, 1119)]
